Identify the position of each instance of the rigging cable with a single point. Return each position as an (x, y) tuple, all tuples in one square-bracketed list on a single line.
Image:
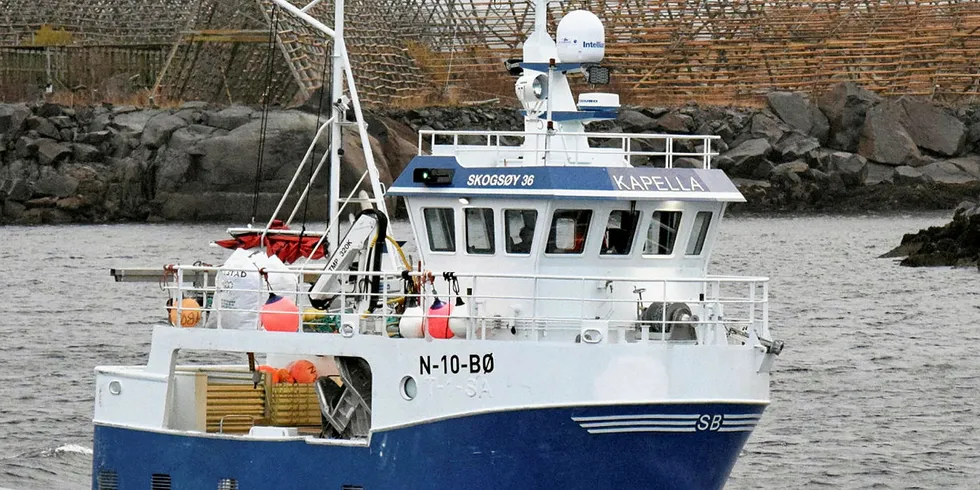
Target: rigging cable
[(273, 28)]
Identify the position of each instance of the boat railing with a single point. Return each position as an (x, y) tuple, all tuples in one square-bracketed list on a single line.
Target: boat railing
[(497, 306), (548, 148)]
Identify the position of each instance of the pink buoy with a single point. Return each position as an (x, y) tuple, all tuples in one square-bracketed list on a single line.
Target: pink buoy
[(437, 320), (279, 315)]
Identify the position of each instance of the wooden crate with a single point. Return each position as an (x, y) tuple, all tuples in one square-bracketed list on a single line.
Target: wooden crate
[(240, 405), (234, 407)]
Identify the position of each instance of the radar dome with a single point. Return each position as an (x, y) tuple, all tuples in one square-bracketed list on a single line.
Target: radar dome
[(581, 38)]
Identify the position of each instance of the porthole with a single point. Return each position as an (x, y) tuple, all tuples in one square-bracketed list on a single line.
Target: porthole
[(409, 388), (115, 387)]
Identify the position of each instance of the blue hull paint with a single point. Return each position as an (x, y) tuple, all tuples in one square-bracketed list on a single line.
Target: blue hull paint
[(534, 449)]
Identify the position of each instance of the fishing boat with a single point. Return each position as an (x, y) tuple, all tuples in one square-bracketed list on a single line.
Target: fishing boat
[(557, 329)]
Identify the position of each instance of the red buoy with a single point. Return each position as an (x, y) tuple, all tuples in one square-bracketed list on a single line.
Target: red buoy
[(279, 315), (437, 320)]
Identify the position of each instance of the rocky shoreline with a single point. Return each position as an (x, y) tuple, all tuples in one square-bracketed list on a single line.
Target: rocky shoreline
[(847, 151)]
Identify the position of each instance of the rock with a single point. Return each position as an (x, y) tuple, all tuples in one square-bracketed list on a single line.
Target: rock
[(83, 152), (12, 117), (687, 162), (134, 121), (95, 137), (878, 173), (853, 169), (19, 190), (795, 146), (50, 152), (947, 172), (73, 203), (62, 122), (884, 139), (674, 123), (796, 167), (49, 110), (794, 109), (749, 183), (231, 117), (635, 122), (197, 105), (932, 128), (25, 147), (13, 210), (157, 131), (845, 106), (57, 185), (745, 157), (43, 127), (765, 126), (969, 164), (654, 112), (907, 175)]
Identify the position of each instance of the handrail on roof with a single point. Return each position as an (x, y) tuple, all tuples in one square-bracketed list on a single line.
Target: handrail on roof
[(625, 150)]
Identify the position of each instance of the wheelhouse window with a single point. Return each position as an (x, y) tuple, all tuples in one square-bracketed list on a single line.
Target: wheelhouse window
[(701, 223), (662, 233), (479, 230), (620, 230), (569, 228), (440, 228), (519, 230)]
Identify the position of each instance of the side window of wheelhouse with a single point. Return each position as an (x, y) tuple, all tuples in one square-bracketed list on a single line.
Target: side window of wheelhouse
[(701, 223), (662, 233), (440, 228), (479, 230), (569, 228), (620, 230), (519, 230)]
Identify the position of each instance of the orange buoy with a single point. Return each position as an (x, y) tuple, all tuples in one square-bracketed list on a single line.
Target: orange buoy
[(284, 376), (279, 314), (273, 373), (190, 312), (437, 320), (302, 371)]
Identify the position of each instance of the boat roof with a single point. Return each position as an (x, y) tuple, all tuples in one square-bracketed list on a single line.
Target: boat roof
[(566, 182)]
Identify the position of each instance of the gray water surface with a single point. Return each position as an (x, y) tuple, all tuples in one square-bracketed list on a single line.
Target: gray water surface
[(878, 387)]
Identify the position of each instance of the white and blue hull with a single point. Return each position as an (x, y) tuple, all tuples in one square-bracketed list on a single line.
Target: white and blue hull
[(679, 446)]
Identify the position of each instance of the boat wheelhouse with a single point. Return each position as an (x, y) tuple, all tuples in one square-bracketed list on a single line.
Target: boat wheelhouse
[(558, 329)]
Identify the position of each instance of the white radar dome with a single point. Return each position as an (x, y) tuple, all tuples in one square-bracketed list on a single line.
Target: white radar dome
[(581, 38)]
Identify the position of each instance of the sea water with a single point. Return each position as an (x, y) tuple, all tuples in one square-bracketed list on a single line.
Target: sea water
[(878, 386)]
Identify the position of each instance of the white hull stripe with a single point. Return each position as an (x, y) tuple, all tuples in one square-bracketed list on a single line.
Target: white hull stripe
[(670, 423)]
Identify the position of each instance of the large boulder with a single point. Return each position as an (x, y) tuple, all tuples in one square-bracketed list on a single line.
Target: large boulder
[(884, 139), (947, 172), (795, 145), (130, 120), (768, 127), (43, 127), (932, 128), (674, 123), (907, 175), (742, 160), (635, 121), (56, 185), (853, 169), (231, 118), (846, 105), (12, 117), (157, 131), (50, 152), (797, 111), (879, 173)]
